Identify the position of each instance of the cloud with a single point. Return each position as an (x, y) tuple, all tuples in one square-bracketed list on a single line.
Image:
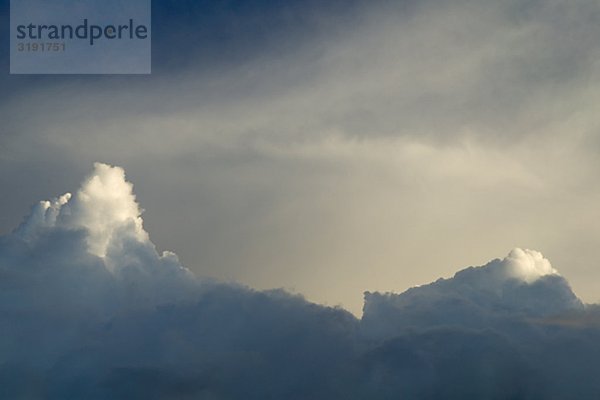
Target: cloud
[(103, 221), (104, 207), (89, 309), (522, 285), (527, 265)]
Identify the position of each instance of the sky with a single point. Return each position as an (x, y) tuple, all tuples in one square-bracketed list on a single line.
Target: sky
[(309, 200), (332, 148)]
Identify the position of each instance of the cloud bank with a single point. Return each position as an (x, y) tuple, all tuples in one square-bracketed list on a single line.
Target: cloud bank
[(89, 309)]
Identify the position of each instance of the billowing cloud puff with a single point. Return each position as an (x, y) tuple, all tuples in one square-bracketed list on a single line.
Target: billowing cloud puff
[(97, 232), (527, 265), (105, 207), (89, 309)]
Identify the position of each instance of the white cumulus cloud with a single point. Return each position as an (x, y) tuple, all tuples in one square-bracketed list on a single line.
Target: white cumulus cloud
[(105, 206), (527, 265)]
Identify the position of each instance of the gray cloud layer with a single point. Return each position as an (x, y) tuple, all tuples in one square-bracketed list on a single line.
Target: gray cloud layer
[(89, 309)]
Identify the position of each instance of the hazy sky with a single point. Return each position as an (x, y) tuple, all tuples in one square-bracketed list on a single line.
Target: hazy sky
[(331, 149)]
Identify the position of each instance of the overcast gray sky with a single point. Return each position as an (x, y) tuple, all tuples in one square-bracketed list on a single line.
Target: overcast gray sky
[(370, 147)]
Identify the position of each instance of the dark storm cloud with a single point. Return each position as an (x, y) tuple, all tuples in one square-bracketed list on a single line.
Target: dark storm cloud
[(207, 33), (89, 309)]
